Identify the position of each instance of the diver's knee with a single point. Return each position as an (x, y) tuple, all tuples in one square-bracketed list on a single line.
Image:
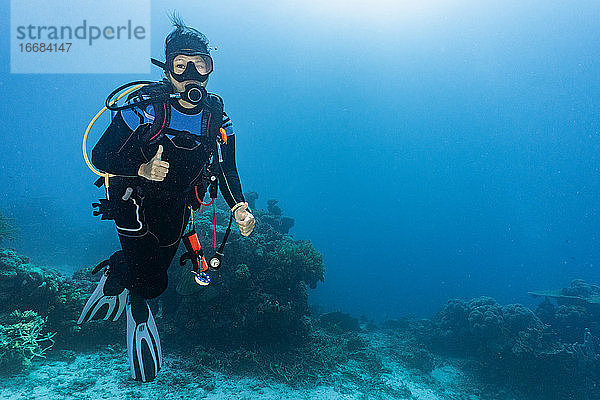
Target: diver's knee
[(150, 288)]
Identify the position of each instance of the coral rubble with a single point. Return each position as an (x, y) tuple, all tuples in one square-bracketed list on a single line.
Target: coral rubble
[(23, 337)]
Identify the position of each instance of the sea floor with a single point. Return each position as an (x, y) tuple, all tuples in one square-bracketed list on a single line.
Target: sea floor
[(105, 375)]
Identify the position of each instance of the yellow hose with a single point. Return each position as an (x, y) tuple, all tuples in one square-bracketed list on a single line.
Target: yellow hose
[(106, 175)]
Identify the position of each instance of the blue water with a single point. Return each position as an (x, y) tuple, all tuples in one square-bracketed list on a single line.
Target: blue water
[(429, 149)]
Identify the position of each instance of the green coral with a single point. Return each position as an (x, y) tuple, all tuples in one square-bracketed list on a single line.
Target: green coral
[(22, 338)]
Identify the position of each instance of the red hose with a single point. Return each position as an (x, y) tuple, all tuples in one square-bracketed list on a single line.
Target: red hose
[(212, 201)]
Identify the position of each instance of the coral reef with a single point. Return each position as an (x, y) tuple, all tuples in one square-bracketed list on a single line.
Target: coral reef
[(59, 299), (286, 224), (407, 346), (273, 208), (28, 287), (577, 310), (483, 327), (275, 218), (22, 338), (258, 296), (582, 289), (251, 198), (552, 353), (254, 318)]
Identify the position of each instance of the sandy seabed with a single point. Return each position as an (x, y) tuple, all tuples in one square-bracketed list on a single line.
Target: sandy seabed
[(105, 375)]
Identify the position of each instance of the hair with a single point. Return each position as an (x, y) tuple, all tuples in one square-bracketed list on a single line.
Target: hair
[(183, 36)]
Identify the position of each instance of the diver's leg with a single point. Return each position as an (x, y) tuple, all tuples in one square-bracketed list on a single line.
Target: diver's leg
[(146, 280), (109, 298), (145, 275), (149, 255), (148, 258)]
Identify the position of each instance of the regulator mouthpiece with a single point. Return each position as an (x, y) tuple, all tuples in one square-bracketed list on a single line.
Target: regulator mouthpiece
[(193, 93)]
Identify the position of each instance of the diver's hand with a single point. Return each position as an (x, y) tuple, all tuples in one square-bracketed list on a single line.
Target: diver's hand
[(155, 169), (244, 218)]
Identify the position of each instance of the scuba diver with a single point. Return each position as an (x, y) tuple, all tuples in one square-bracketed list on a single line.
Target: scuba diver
[(168, 145)]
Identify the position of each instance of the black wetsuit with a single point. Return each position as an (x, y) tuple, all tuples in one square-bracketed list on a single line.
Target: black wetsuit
[(151, 221)]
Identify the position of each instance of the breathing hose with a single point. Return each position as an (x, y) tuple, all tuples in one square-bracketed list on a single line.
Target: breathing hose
[(106, 175)]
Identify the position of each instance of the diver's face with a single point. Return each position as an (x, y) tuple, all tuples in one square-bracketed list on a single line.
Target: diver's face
[(180, 63)]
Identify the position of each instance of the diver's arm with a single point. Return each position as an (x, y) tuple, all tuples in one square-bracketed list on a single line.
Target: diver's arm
[(229, 181), (119, 150)]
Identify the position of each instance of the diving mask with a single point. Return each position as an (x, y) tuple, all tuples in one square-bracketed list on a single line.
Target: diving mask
[(197, 69)]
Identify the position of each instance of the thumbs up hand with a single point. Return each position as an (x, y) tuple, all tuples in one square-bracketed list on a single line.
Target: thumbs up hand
[(155, 169)]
